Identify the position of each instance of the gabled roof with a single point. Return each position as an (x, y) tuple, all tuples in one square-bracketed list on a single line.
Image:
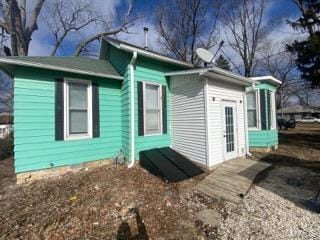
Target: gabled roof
[(213, 72), (269, 79), (80, 65), (146, 53)]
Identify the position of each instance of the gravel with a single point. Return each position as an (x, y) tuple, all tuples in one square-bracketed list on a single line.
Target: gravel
[(275, 209)]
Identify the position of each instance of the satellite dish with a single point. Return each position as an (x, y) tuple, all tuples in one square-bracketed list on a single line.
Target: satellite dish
[(205, 55)]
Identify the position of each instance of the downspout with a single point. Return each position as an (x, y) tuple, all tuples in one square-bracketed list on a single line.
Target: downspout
[(246, 124), (132, 119)]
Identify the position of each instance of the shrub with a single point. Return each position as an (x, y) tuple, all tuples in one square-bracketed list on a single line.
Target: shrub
[(6, 147)]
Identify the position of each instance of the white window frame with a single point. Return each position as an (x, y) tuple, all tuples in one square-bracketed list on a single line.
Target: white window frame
[(257, 92), (67, 135), (273, 117), (144, 108)]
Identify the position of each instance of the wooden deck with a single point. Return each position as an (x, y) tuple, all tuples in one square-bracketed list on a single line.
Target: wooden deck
[(232, 179)]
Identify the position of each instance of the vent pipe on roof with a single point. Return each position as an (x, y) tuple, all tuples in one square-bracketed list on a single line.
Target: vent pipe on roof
[(146, 30)]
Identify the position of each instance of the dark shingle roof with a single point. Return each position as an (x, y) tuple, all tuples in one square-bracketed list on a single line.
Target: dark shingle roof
[(80, 65)]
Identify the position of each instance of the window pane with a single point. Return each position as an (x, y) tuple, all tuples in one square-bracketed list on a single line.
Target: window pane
[(252, 118), (152, 96), (78, 121), (251, 100), (153, 121), (78, 96)]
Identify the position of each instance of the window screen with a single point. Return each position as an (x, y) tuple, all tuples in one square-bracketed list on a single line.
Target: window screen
[(252, 109), (78, 108), (152, 105)]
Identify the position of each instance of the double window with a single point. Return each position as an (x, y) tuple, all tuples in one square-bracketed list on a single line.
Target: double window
[(77, 109), (152, 108), (252, 110)]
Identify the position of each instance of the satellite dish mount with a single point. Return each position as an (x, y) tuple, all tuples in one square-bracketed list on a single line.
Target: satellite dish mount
[(206, 56)]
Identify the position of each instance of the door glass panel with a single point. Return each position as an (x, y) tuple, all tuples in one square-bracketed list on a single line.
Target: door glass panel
[(229, 129)]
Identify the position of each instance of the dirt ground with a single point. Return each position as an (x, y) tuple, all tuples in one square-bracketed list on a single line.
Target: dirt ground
[(112, 202), (280, 204)]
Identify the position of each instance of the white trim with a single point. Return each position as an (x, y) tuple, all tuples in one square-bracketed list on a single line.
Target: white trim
[(273, 124), (59, 68), (213, 70), (197, 71), (224, 103), (206, 109), (257, 109), (145, 53), (160, 107), (246, 128), (267, 79), (67, 135)]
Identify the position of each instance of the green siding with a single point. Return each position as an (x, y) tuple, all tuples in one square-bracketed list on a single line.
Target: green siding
[(120, 60), (263, 138), (151, 71), (145, 70), (266, 86), (34, 110)]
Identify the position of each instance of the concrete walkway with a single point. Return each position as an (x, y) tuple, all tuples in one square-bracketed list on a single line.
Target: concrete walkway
[(232, 179)]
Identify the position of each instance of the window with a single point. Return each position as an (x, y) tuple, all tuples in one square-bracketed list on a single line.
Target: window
[(152, 109), (78, 109), (252, 109), (272, 110)]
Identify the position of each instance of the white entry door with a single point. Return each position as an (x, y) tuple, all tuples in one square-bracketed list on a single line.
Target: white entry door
[(229, 129)]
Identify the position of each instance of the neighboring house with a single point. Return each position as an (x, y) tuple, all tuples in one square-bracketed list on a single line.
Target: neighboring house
[(5, 130), (261, 112), (71, 110), (298, 112), (5, 125)]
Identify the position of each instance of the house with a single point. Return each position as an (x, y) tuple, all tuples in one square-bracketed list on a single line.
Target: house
[(5, 130), (298, 112), (5, 125), (261, 111), (73, 110)]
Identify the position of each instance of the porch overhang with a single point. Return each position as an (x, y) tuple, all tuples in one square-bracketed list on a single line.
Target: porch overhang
[(268, 79)]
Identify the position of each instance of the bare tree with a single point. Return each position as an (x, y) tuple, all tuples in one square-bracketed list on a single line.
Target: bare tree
[(281, 65), (185, 25), (123, 25), (65, 17), (6, 89), (247, 30), (18, 24)]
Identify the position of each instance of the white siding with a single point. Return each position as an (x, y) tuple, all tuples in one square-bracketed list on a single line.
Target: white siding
[(223, 91), (188, 126)]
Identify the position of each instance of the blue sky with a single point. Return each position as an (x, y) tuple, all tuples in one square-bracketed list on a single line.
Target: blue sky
[(42, 41)]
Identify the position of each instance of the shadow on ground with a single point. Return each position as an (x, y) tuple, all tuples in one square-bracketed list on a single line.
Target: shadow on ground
[(124, 231), (308, 139), (296, 180)]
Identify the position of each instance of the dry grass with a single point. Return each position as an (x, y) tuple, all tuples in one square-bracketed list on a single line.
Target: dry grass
[(112, 202), (106, 203)]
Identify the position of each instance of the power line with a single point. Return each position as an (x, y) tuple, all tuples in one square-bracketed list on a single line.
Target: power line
[(242, 65)]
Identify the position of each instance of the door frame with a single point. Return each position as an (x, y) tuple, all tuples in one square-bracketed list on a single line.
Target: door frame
[(235, 153)]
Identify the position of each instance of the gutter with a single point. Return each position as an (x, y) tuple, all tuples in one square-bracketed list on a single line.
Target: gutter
[(229, 74), (132, 118), (213, 70)]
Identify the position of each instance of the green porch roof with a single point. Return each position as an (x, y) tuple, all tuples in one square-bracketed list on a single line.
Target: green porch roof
[(80, 65)]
